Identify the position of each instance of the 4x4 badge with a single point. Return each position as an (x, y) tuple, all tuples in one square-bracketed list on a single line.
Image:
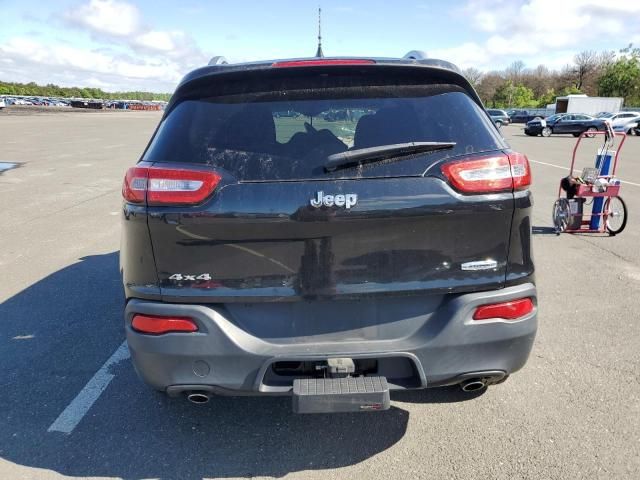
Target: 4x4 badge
[(347, 200), (190, 278)]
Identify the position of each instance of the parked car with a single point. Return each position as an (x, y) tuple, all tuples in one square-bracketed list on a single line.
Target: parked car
[(629, 128), (319, 269), (534, 127), (568, 123), (335, 115), (2, 103), (523, 116), (625, 121), (499, 117)]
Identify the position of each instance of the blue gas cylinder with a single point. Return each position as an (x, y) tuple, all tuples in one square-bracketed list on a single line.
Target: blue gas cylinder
[(603, 164)]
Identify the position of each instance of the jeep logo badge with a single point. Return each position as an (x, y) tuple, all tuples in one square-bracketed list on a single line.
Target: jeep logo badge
[(347, 200)]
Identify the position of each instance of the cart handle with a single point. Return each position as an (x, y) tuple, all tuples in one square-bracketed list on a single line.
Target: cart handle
[(585, 134)]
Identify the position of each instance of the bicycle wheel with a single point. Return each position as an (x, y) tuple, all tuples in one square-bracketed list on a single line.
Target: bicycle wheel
[(561, 214), (616, 211)]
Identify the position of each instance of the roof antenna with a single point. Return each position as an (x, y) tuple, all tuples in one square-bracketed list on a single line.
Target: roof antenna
[(319, 53)]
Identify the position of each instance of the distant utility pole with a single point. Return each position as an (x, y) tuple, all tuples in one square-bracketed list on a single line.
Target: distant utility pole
[(319, 53)]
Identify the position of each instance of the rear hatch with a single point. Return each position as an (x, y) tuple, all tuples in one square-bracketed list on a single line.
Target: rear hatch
[(279, 225)]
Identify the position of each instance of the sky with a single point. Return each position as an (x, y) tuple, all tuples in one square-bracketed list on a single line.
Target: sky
[(150, 44)]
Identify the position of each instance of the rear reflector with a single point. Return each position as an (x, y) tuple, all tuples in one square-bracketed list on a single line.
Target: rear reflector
[(498, 173), (168, 186), (158, 325), (512, 310), (322, 62)]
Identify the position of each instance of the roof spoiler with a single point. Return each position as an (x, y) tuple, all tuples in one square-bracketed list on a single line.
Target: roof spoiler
[(412, 55)]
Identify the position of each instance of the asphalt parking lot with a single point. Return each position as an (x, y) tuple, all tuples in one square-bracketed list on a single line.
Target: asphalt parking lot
[(572, 412)]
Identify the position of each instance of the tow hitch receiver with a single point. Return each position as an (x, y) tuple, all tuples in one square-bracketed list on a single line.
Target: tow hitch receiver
[(346, 394)]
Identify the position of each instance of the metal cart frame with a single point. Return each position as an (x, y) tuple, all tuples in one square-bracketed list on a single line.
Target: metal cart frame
[(562, 214)]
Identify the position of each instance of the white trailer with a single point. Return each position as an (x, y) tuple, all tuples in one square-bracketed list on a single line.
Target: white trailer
[(588, 105)]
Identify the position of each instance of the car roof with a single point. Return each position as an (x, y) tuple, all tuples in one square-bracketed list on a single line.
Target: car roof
[(218, 67)]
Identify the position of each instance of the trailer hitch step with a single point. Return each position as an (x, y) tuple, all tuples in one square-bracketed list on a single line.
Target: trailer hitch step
[(347, 394)]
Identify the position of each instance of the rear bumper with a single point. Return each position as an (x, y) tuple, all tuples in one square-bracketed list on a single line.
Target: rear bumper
[(442, 346)]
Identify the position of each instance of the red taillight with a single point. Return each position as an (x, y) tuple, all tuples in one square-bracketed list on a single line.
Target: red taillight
[(512, 310), (520, 170), (179, 187), (168, 186), (134, 188), (489, 174), (156, 325), (322, 62)]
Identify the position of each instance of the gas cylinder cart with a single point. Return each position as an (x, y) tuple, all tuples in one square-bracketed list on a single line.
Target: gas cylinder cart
[(596, 187)]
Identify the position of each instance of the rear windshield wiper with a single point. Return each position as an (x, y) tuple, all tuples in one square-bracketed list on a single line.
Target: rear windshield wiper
[(382, 152)]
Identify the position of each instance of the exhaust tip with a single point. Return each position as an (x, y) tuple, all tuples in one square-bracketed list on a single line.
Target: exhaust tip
[(473, 385), (199, 398)]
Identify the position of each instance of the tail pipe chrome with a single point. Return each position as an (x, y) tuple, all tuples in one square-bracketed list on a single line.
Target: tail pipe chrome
[(473, 384), (199, 398)]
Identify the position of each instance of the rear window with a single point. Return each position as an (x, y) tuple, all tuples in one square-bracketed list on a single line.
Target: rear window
[(288, 134)]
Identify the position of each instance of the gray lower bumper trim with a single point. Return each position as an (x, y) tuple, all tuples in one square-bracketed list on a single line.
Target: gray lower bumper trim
[(443, 344)]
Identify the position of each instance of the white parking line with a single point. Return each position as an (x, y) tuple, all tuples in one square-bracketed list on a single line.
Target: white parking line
[(79, 406), (567, 169)]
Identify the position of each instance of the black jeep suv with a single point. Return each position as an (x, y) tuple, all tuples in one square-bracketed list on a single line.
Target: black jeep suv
[(331, 260)]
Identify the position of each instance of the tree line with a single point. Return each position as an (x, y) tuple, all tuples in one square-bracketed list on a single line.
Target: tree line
[(593, 73), (50, 90)]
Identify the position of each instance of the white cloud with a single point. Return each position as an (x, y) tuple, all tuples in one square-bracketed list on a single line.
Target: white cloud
[(25, 59), (120, 22), (109, 17), (161, 41), (539, 29), (144, 58), (466, 55)]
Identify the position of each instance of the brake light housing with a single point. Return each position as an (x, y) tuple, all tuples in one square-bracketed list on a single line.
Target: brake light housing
[(322, 62), (511, 310), (134, 187), (157, 186), (158, 325), (490, 174), (520, 170)]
